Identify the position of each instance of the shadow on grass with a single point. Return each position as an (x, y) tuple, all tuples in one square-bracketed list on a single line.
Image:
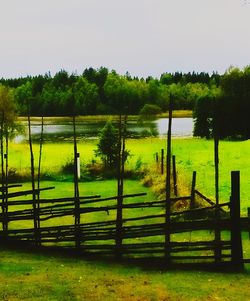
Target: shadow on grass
[(144, 263)]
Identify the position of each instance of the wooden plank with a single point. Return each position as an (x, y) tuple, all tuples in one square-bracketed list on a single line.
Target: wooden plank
[(58, 200), (10, 186), (206, 199), (26, 192)]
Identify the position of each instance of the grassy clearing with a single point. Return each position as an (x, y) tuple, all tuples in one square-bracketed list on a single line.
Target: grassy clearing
[(197, 154), (191, 154), (106, 188), (37, 276)]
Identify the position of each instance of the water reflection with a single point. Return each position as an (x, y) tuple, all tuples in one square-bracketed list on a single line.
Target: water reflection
[(182, 127)]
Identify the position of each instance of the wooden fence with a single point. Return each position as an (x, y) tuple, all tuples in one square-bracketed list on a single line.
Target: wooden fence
[(141, 232)]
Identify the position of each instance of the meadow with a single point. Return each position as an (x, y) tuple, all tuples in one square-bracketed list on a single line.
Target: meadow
[(41, 275), (192, 154)]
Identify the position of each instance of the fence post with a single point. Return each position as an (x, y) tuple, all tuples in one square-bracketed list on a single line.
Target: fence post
[(157, 158), (236, 241), (34, 197), (192, 201), (168, 188), (76, 193), (39, 174), (217, 250), (174, 176), (120, 180), (162, 161), (3, 178), (78, 166)]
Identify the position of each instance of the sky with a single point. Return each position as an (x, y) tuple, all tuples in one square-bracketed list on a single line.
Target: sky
[(143, 37)]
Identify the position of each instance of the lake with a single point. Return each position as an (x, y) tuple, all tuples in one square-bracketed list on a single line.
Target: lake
[(63, 130)]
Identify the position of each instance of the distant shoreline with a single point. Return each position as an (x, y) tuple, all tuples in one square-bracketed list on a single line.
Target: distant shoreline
[(176, 114)]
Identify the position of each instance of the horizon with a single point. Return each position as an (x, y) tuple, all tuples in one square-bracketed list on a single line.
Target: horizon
[(110, 70)]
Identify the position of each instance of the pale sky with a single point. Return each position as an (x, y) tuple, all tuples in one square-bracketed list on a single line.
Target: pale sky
[(143, 37)]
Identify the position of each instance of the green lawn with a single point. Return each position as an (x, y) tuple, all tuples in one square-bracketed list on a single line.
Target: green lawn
[(191, 154), (40, 276), (107, 188)]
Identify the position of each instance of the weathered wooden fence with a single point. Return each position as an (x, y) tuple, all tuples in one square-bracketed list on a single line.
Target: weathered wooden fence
[(140, 233)]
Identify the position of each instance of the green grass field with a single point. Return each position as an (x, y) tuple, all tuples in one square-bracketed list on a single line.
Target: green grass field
[(40, 276), (55, 276), (191, 154), (106, 188)]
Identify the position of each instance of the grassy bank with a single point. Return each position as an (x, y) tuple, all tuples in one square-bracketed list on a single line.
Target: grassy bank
[(176, 114)]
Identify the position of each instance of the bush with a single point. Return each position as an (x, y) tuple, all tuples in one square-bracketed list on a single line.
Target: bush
[(68, 167), (149, 111)]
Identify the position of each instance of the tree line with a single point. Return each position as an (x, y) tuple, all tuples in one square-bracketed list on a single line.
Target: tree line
[(100, 91), (227, 114), (221, 103)]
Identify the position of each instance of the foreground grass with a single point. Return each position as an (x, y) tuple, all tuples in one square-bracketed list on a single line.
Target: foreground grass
[(37, 276)]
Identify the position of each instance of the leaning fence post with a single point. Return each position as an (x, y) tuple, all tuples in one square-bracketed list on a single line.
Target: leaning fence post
[(192, 201), (236, 241)]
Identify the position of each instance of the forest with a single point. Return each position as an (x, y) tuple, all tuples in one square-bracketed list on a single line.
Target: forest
[(221, 100), (102, 91)]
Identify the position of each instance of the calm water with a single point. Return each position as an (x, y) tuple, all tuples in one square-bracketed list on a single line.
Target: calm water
[(181, 127)]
